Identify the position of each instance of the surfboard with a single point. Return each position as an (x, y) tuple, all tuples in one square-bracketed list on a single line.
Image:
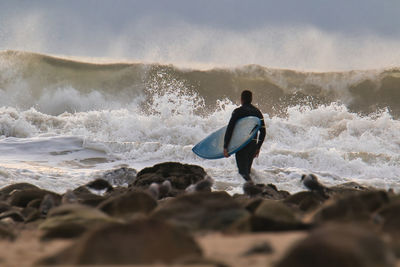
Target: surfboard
[(212, 147)]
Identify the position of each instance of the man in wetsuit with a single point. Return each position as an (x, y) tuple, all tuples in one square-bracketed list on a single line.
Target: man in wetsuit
[(245, 156)]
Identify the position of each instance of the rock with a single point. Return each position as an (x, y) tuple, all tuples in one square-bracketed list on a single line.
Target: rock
[(389, 216), (21, 198), (35, 203), (6, 233), (7, 190), (31, 214), (69, 198), (349, 188), (154, 190), (354, 207), (15, 215), (71, 216), (266, 191), (48, 202), (252, 190), (120, 177), (91, 200), (201, 186), (180, 175), (269, 215), (143, 241), (305, 201), (272, 215), (260, 248), (64, 231), (164, 189), (4, 206), (339, 245), (100, 184), (127, 204), (196, 211), (311, 182)]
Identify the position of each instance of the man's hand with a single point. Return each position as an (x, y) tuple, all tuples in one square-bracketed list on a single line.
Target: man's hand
[(226, 155), (257, 153)]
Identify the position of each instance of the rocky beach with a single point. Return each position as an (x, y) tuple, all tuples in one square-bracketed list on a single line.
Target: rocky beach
[(169, 215)]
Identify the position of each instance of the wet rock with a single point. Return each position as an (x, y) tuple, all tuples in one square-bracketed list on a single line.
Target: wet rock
[(305, 201), (180, 175), (354, 207), (48, 202), (201, 186), (69, 197), (144, 241), (252, 190), (266, 191), (128, 204), (35, 203), (270, 215), (120, 177), (70, 216), (4, 206), (349, 188), (85, 197), (339, 245), (21, 198), (7, 190), (213, 211), (31, 214), (100, 184), (311, 182), (15, 215)]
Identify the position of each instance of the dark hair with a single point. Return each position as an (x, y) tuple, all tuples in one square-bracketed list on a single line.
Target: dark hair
[(247, 97)]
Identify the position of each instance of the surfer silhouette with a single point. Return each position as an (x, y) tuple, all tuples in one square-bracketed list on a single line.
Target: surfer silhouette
[(245, 156)]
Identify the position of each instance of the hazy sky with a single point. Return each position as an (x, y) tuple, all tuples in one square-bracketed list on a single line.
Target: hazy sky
[(303, 34)]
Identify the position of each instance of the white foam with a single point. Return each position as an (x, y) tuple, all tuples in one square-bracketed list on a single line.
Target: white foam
[(64, 151)]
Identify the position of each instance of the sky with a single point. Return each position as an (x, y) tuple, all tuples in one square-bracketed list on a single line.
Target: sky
[(306, 34)]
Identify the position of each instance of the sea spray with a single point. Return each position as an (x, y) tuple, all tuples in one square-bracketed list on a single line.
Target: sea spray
[(69, 128)]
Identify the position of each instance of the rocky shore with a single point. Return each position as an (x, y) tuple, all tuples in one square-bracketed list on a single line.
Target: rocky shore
[(170, 216)]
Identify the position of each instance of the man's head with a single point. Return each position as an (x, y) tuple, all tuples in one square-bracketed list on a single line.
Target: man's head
[(246, 97)]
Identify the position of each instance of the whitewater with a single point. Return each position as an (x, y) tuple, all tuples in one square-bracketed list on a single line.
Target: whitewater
[(65, 122)]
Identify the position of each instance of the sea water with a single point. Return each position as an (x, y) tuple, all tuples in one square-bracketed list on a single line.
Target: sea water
[(64, 123)]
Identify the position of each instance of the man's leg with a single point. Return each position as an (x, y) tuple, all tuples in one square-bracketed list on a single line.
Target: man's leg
[(244, 159), (251, 154)]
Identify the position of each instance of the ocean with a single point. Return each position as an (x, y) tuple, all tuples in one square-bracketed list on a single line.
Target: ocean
[(66, 121)]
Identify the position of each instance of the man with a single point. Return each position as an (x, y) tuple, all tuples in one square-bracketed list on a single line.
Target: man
[(245, 156)]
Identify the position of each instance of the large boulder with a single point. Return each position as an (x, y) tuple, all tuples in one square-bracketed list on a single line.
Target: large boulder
[(120, 177), (389, 215), (180, 175), (305, 200), (21, 198), (353, 207), (271, 215), (7, 190), (128, 203), (74, 218), (143, 241), (339, 245), (202, 210)]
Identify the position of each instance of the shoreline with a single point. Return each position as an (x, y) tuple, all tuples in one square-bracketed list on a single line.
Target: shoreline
[(169, 216)]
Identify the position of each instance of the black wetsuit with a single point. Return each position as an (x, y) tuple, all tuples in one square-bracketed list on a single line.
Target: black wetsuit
[(245, 156)]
